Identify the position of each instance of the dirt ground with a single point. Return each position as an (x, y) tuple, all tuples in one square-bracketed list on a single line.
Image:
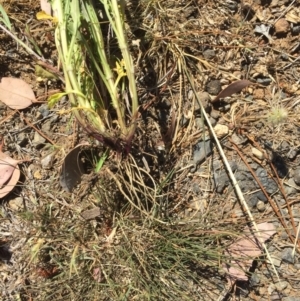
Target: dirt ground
[(92, 242)]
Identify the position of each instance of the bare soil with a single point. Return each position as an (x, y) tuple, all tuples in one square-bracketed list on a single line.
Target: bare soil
[(218, 42)]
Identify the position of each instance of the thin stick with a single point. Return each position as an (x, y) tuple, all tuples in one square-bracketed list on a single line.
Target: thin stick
[(232, 177)]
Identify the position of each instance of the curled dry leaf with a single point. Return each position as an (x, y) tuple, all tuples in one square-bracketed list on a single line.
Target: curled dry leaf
[(16, 93), (235, 87), (9, 173), (72, 169), (244, 250)]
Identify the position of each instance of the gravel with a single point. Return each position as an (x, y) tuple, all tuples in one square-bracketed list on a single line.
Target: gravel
[(287, 255)]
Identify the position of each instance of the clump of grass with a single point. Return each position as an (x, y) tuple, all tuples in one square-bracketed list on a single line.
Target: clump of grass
[(277, 115), (137, 260), (100, 81)]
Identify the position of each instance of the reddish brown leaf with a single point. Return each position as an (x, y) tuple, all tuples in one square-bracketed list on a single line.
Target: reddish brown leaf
[(16, 93), (244, 250), (10, 185), (7, 168), (232, 88)]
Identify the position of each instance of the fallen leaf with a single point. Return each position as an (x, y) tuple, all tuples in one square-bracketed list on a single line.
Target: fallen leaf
[(16, 93), (7, 167), (9, 173), (41, 15), (232, 88), (264, 30), (72, 169), (43, 73), (244, 250), (46, 7)]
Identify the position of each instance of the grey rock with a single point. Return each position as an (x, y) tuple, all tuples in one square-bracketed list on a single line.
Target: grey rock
[(297, 266), (271, 186), (290, 187), (287, 255), (202, 150), (209, 54), (214, 114), (264, 81), (46, 127), (38, 139), (22, 139), (254, 280), (261, 196), (292, 154), (196, 188), (261, 172), (297, 175), (199, 123), (252, 201), (47, 161), (205, 100), (44, 110), (214, 87), (238, 140), (212, 121), (233, 165), (221, 181), (296, 30)]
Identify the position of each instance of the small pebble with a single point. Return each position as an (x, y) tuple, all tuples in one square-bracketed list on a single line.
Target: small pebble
[(221, 130), (264, 81), (297, 175), (287, 255), (238, 140), (22, 139), (44, 110), (38, 139), (290, 187), (257, 153), (260, 206), (254, 280), (209, 54), (214, 114), (48, 160), (282, 26), (46, 127), (292, 154), (296, 29), (199, 123), (205, 100), (202, 150), (212, 121), (16, 204), (214, 87)]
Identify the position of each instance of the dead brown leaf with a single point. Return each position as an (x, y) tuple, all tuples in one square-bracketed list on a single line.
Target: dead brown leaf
[(245, 249), (72, 169), (16, 93), (232, 88)]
